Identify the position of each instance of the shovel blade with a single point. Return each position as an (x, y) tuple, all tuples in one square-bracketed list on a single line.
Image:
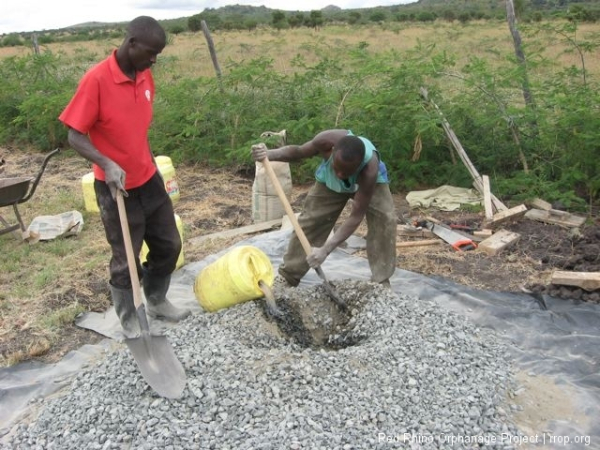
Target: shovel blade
[(334, 296), (329, 289), (158, 364)]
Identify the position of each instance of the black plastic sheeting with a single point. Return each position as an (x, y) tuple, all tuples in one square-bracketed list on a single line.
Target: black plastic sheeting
[(554, 338), (22, 385)]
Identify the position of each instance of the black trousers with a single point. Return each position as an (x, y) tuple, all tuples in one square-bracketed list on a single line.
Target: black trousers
[(151, 219)]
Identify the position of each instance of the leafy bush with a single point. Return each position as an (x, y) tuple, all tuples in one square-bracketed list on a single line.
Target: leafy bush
[(12, 40), (176, 29), (548, 148), (34, 92)]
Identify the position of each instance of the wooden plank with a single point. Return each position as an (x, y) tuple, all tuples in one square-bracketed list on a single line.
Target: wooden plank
[(505, 216), (497, 204), (254, 228), (487, 199), (500, 240), (407, 230), (540, 204), (559, 213), (590, 281), (485, 233), (419, 243), (433, 220), (555, 217)]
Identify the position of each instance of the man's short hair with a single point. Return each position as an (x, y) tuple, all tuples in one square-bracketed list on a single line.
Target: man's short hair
[(146, 27), (351, 148)]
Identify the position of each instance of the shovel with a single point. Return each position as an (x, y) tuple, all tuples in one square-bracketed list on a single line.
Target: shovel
[(153, 354), (301, 236)]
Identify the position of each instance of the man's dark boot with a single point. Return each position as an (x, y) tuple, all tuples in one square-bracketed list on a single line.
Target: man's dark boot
[(386, 284), (158, 306), (125, 308)]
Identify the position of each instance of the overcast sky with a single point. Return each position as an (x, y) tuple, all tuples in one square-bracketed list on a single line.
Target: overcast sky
[(38, 15)]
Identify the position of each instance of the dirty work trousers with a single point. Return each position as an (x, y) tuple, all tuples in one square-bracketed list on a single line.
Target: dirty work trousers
[(151, 219), (322, 208)]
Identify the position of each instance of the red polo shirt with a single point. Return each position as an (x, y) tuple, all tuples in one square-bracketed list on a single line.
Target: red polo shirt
[(116, 113)]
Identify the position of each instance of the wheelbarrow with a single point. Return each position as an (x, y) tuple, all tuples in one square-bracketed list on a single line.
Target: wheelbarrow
[(14, 191)]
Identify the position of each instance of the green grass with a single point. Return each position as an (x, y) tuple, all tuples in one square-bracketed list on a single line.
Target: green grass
[(59, 318)]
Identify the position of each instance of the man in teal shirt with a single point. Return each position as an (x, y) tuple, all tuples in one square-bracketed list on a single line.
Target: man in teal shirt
[(351, 169)]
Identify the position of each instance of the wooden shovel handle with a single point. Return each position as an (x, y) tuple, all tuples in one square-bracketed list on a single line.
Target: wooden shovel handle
[(298, 229), (286, 204), (133, 274)]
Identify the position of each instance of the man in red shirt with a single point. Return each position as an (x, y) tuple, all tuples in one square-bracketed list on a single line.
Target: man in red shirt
[(108, 119)]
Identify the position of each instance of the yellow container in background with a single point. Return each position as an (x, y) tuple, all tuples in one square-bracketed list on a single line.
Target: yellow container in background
[(233, 278), (162, 160), (180, 260), (89, 195), (166, 169)]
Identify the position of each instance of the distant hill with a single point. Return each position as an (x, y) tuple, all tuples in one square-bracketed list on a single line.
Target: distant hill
[(477, 9), (91, 25), (225, 16), (457, 6)]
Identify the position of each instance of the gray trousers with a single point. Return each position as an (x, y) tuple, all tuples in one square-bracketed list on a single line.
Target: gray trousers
[(151, 219), (322, 209)]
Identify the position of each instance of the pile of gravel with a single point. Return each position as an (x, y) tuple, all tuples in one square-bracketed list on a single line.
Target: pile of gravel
[(411, 376)]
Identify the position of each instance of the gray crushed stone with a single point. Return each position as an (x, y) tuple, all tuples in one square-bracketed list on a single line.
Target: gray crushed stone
[(412, 376)]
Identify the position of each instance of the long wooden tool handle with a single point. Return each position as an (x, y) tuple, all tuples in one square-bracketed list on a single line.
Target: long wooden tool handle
[(288, 208), (298, 229), (133, 274)]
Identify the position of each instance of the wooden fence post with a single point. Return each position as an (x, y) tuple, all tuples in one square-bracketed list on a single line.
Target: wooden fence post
[(211, 49)]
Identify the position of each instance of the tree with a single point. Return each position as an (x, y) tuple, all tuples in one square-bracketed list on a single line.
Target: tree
[(315, 19), (210, 16), (296, 20), (12, 40), (353, 17), (250, 24), (377, 16), (464, 17), (176, 29), (426, 16), (449, 15), (195, 23), (278, 20)]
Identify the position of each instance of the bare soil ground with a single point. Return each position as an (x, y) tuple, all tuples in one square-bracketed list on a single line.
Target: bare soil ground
[(216, 199), (526, 266)]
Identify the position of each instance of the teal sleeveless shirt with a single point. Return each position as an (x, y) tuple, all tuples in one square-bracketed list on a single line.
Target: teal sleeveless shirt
[(325, 174)]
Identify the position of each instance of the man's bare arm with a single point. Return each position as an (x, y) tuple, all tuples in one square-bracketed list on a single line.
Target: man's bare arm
[(321, 144)]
